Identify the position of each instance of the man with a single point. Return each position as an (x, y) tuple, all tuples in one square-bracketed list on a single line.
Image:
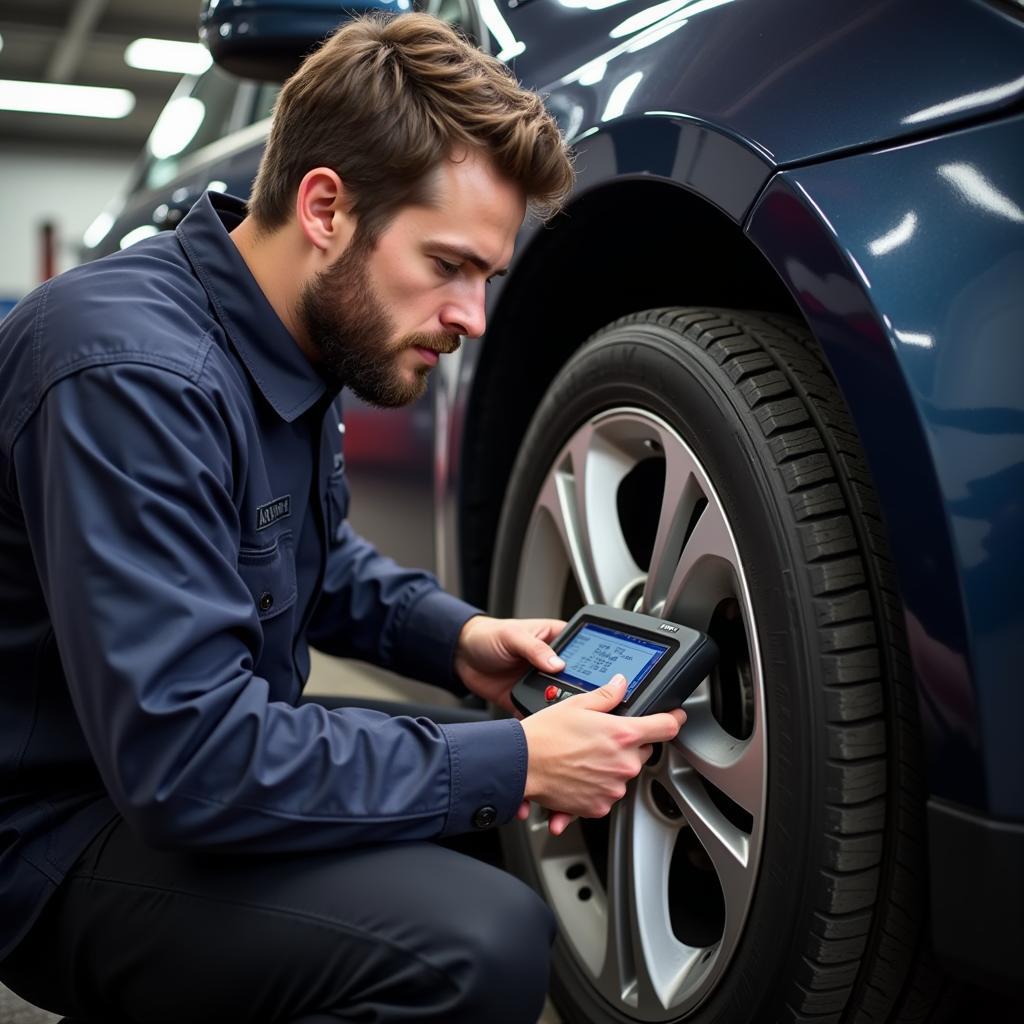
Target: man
[(180, 840)]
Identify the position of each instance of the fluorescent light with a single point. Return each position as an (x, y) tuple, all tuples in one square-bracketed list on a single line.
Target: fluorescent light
[(168, 55), (79, 100), (592, 73), (97, 230), (509, 46), (176, 126), (621, 95), (962, 103), (979, 191), (915, 338), (685, 8), (895, 237), (139, 234)]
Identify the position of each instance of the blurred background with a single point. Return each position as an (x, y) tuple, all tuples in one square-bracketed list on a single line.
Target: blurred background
[(66, 151)]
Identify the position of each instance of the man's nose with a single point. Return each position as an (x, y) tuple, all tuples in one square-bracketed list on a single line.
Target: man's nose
[(467, 315)]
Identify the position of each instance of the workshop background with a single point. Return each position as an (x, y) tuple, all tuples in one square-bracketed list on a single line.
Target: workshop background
[(62, 169)]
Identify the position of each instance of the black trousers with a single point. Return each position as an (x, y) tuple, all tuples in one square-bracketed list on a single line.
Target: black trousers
[(397, 932)]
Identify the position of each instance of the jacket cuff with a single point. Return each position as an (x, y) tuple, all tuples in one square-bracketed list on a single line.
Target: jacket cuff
[(488, 773), (429, 636)]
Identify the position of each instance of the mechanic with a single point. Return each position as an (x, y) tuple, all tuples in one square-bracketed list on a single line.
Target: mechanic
[(180, 838)]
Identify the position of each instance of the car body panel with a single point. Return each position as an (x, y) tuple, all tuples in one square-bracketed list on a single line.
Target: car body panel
[(802, 61), (932, 367)]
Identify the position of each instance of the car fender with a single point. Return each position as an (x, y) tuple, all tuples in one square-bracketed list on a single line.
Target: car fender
[(907, 265)]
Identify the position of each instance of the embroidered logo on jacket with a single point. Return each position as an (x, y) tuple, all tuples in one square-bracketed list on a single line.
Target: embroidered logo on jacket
[(279, 508)]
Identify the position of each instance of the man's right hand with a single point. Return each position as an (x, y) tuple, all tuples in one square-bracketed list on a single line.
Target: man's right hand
[(581, 758)]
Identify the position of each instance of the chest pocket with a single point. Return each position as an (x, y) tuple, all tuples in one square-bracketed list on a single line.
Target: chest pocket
[(337, 504), (269, 573)]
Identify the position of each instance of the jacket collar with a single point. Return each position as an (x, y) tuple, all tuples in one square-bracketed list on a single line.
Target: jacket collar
[(284, 375)]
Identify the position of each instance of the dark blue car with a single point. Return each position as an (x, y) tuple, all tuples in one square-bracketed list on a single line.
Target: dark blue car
[(765, 377)]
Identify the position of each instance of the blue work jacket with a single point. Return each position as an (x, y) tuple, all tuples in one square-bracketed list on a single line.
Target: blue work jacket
[(172, 537)]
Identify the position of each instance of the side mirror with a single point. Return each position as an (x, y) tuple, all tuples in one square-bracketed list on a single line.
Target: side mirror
[(267, 39)]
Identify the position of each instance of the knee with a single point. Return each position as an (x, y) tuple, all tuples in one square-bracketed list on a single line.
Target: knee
[(503, 975)]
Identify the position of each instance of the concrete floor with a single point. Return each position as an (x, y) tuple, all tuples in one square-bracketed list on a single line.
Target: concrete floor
[(16, 1011), (328, 676)]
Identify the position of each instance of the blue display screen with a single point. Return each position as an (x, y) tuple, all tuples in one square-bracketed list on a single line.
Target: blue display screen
[(597, 653)]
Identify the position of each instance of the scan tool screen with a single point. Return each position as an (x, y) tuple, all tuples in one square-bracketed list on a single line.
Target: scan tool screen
[(597, 653)]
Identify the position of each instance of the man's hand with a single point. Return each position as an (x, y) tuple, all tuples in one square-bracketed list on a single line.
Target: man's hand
[(581, 758), (492, 654)]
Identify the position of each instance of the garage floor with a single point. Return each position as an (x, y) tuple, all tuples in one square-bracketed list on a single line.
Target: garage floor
[(331, 676)]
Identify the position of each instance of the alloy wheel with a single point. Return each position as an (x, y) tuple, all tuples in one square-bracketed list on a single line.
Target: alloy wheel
[(652, 900)]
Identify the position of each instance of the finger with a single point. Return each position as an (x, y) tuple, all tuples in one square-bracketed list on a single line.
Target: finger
[(523, 811), (604, 698), (658, 728), (559, 822), (522, 642)]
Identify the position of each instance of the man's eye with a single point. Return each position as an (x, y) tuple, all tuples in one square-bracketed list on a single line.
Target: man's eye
[(446, 268)]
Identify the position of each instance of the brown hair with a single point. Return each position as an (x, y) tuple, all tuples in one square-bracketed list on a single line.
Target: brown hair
[(384, 101)]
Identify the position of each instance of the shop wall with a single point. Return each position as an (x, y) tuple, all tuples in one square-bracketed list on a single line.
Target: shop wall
[(67, 188)]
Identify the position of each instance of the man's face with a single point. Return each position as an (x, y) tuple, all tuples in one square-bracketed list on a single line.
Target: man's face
[(379, 317)]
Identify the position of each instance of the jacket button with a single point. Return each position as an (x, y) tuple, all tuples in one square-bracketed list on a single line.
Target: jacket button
[(266, 601), (485, 817)]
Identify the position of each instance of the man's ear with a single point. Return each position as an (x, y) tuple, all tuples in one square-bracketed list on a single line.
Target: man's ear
[(323, 212)]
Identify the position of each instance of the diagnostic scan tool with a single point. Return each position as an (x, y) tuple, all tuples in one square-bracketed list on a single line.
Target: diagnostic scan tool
[(663, 662)]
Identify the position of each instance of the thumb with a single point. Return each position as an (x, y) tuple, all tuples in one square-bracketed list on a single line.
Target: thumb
[(606, 697), (540, 655)]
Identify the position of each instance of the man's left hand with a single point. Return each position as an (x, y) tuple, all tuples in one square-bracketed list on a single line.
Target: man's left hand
[(492, 654)]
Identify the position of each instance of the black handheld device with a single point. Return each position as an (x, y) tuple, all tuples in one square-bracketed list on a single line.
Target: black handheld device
[(662, 661)]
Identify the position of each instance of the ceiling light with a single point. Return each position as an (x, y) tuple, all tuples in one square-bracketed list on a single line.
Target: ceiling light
[(176, 126), (141, 233), (51, 98), (97, 230), (168, 55)]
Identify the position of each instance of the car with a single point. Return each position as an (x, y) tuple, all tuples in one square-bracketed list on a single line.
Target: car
[(763, 377)]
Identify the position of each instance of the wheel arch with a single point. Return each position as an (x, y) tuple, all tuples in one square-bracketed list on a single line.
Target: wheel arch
[(599, 261)]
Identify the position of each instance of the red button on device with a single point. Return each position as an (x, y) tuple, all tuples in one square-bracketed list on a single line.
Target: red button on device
[(551, 693)]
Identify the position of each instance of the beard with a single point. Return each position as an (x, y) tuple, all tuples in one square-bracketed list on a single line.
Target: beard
[(352, 332)]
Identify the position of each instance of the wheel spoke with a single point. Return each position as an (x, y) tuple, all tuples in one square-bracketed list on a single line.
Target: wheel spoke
[(734, 766), (679, 499), (662, 961), (566, 869), (647, 966), (705, 572), (728, 846), (560, 502), (599, 466)]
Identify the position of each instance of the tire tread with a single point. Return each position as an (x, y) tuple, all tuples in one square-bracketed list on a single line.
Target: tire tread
[(871, 777)]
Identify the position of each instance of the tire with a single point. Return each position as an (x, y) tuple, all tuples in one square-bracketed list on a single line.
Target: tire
[(768, 865)]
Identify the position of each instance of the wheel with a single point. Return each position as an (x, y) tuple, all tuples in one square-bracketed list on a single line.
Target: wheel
[(765, 866)]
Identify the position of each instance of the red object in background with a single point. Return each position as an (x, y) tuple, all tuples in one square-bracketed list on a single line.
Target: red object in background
[(48, 240)]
